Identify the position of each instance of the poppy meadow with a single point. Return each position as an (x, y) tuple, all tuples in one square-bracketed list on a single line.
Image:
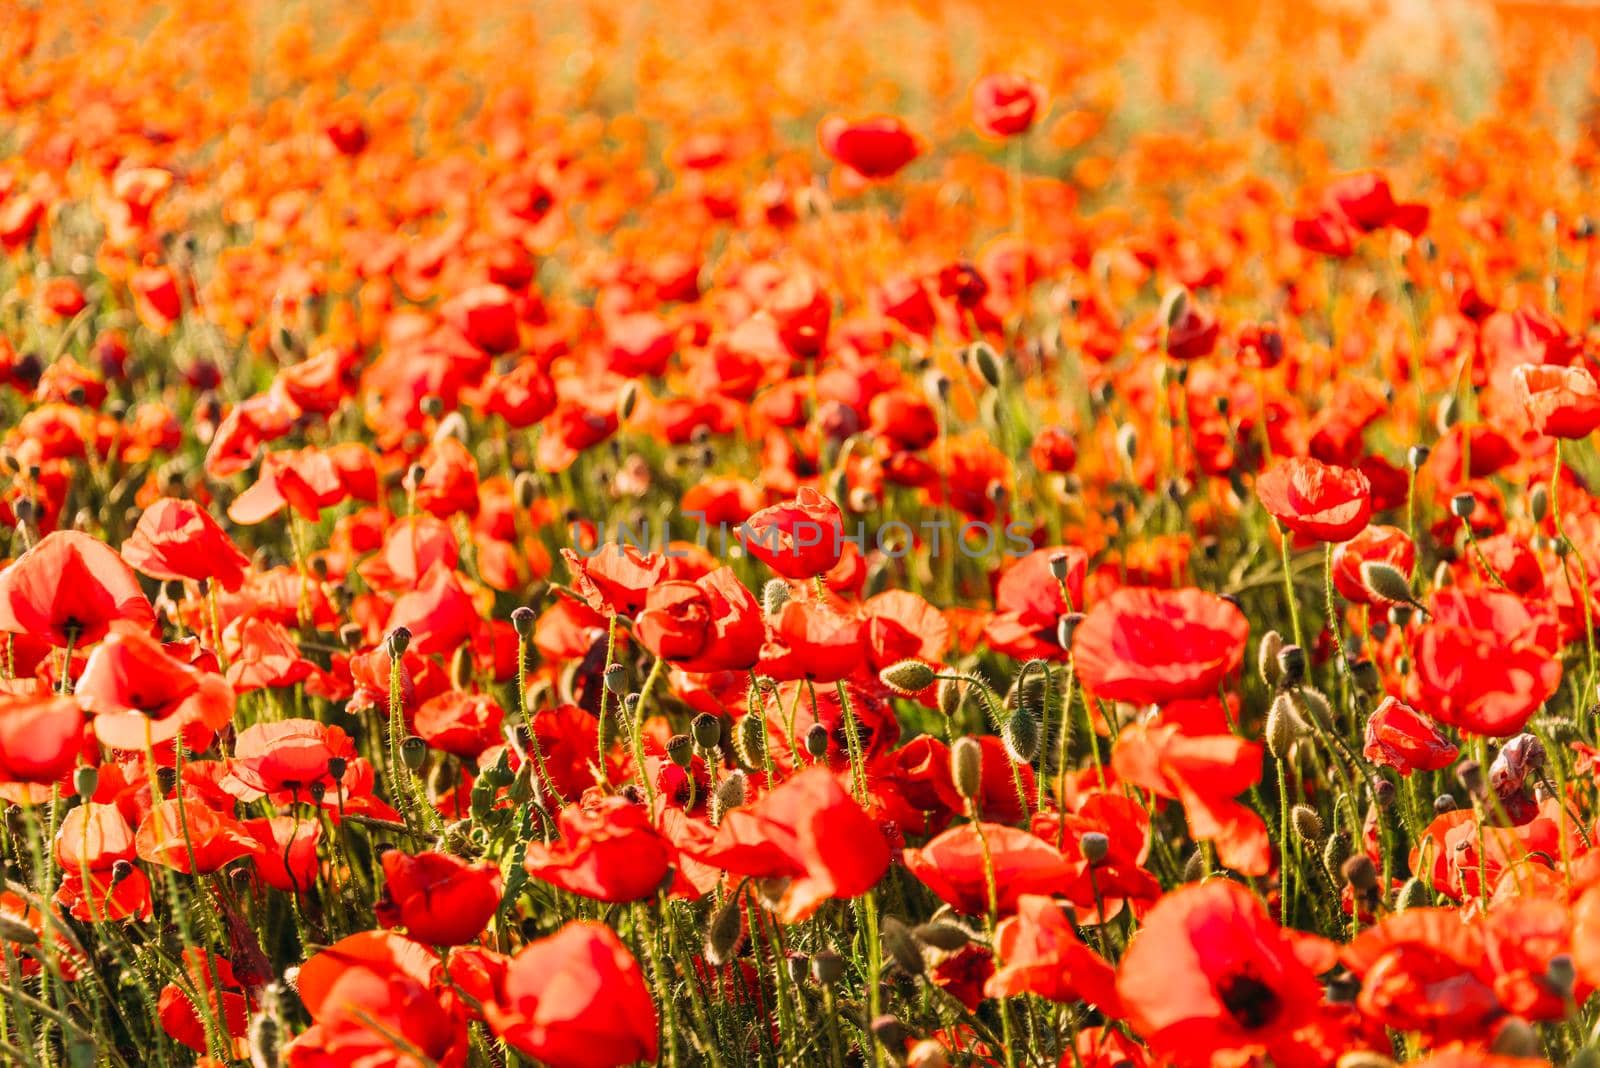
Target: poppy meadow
[(849, 533)]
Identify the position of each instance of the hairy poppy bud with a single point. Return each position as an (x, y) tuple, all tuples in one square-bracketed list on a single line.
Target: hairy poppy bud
[(1336, 851), (1516, 1038), (1194, 869), (730, 794), (1386, 581), (1283, 726), (1021, 736), (1291, 665), (1560, 975), (413, 751), (817, 741), (1267, 651), (525, 489), (943, 935), (987, 363), (13, 929), (827, 967), (85, 780), (907, 677), (1307, 823), (949, 697), (1414, 894), (774, 595), (1360, 873), (399, 640), (900, 947), (461, 667), (1313, 706), (1174, 306), (1094, 846), (725, 932), (1365, 675), (1462, 504), (707, 730), (1539, 503), (966, 767), (891, 1033), (1443, 803), (1128, 441), (750, 740), (1383, 794)]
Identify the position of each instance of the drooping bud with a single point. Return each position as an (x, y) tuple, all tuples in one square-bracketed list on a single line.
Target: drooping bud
[(1516, 1038), (725, 932), (525, 489), (1443, 804), (1267, 651), (827, 967), (900, 947), (627, 400), (1021, 736), (1194, 869), (1291, 665), (949, 697), (1174, 306), (966, 767), (908, 677), (943, 935), (461, 667), (1127, 442)]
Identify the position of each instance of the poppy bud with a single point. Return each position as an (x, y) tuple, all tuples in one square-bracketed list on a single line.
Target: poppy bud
[(616, 679), (266, 1041), (949, 697), (750, 740), (1559, 975), (907, 677), (680, 749), (987, 362), (816, 741), (413, 751), (399, 640), (927, 1053), (1128, 442), (1444, 416), (1313, 706), (1366, 677), (937, 383), (891, 1033), (1174, 306), (85, 780), (25, 510), (350, 635), (525, 489), (627, 400), (730, 794), (1539, 503), (1194, 869), (707, 730), (1094, 847), (1516, 1038), (1366, 1059), (1066, 627), (1461, 505), (1360, 873), (774, 595), (1283, 726), (966, 767), (1307, 823), (432, 406), (797, 965), (1336, 851), (1021, 736), (901, 948), (725, 932), (1385, 581), (943, 935), (461, 667), (1291, 665), (1469, 773), (1267, 651), (827, 967)]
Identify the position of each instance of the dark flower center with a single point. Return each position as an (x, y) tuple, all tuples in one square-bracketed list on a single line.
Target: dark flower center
[(1248, 1000)]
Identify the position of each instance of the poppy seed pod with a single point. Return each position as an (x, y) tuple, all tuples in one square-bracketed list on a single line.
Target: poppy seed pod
[(1058, 566), (1560, 975), (1385, 581), (1462, 504), (908, 677), (1021, 736), (121, 871), (680, 750), (707, 730), (1066, 627), (1307, 823), (85, 780), (900, 947), (827, 967), (616, 679), (725, 932), (966, 767), (1417, 455), (413, 751), (816, 741), (1094, 846), (1267, 651), (398, 641)]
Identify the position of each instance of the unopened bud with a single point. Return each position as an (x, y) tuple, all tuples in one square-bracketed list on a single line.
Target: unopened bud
[(1291, 665), (1307, 823), (1385, 581), (1021, 736), (627, 400), (966, 767), (750, 740), (987, 362), (1516, 1038), (730, 794), (827, 967), (725, 932), (461, 667), (1336, 851), (1174, 306), (1539, 503), (525, 489), (943, 935), (949, 697), (399, 640), (774, 595), (900, 947), (908, 677), (1267, 651), (1360, 873), (1414, 894), (1128, 442)]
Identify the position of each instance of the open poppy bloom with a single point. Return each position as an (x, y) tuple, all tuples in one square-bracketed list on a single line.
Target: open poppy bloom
[(952, 866), (1004, 105), (287, 757), (68, 589), (1211, 975), (576, 999), (1561, 402), (142, 696), (1376, 543), (41, 738), (1399, 737), (710, 624), (615, 579), (1484, 662), (608, 853), (179, 1015), (1316, 500), (874, 148), (439, 899), (1040, 953), (799, 539), (177, 540), (1150, 646)]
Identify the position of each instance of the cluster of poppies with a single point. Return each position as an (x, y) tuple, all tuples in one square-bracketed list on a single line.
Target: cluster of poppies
[(869, 534)]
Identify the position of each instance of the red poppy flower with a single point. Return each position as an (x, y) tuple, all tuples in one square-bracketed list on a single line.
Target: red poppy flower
[(798, 539), (307, 480), (808, 831), (193, 838), (1383, 544), (952, 866), (711, 624), (1483, 663), (576, 999), (1040, 953), (1004, 105), (1053, 450), (1204, 774), (1424, 970), (1210, 976), (1118, 876), (616, 579), (608, 852), (463, 724), (486, 315), (68, 589), (1561, 402), (142, 696), (1029, 601), (1150, 646), (287, 757), (1316, 500), (1399, 737), (439, 899), (285, 851), (179, 1016), (41, 738), (874, 148), (810, 641), (177, 540)]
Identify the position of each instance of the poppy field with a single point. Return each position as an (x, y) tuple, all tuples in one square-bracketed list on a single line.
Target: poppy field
[(851, 533)]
